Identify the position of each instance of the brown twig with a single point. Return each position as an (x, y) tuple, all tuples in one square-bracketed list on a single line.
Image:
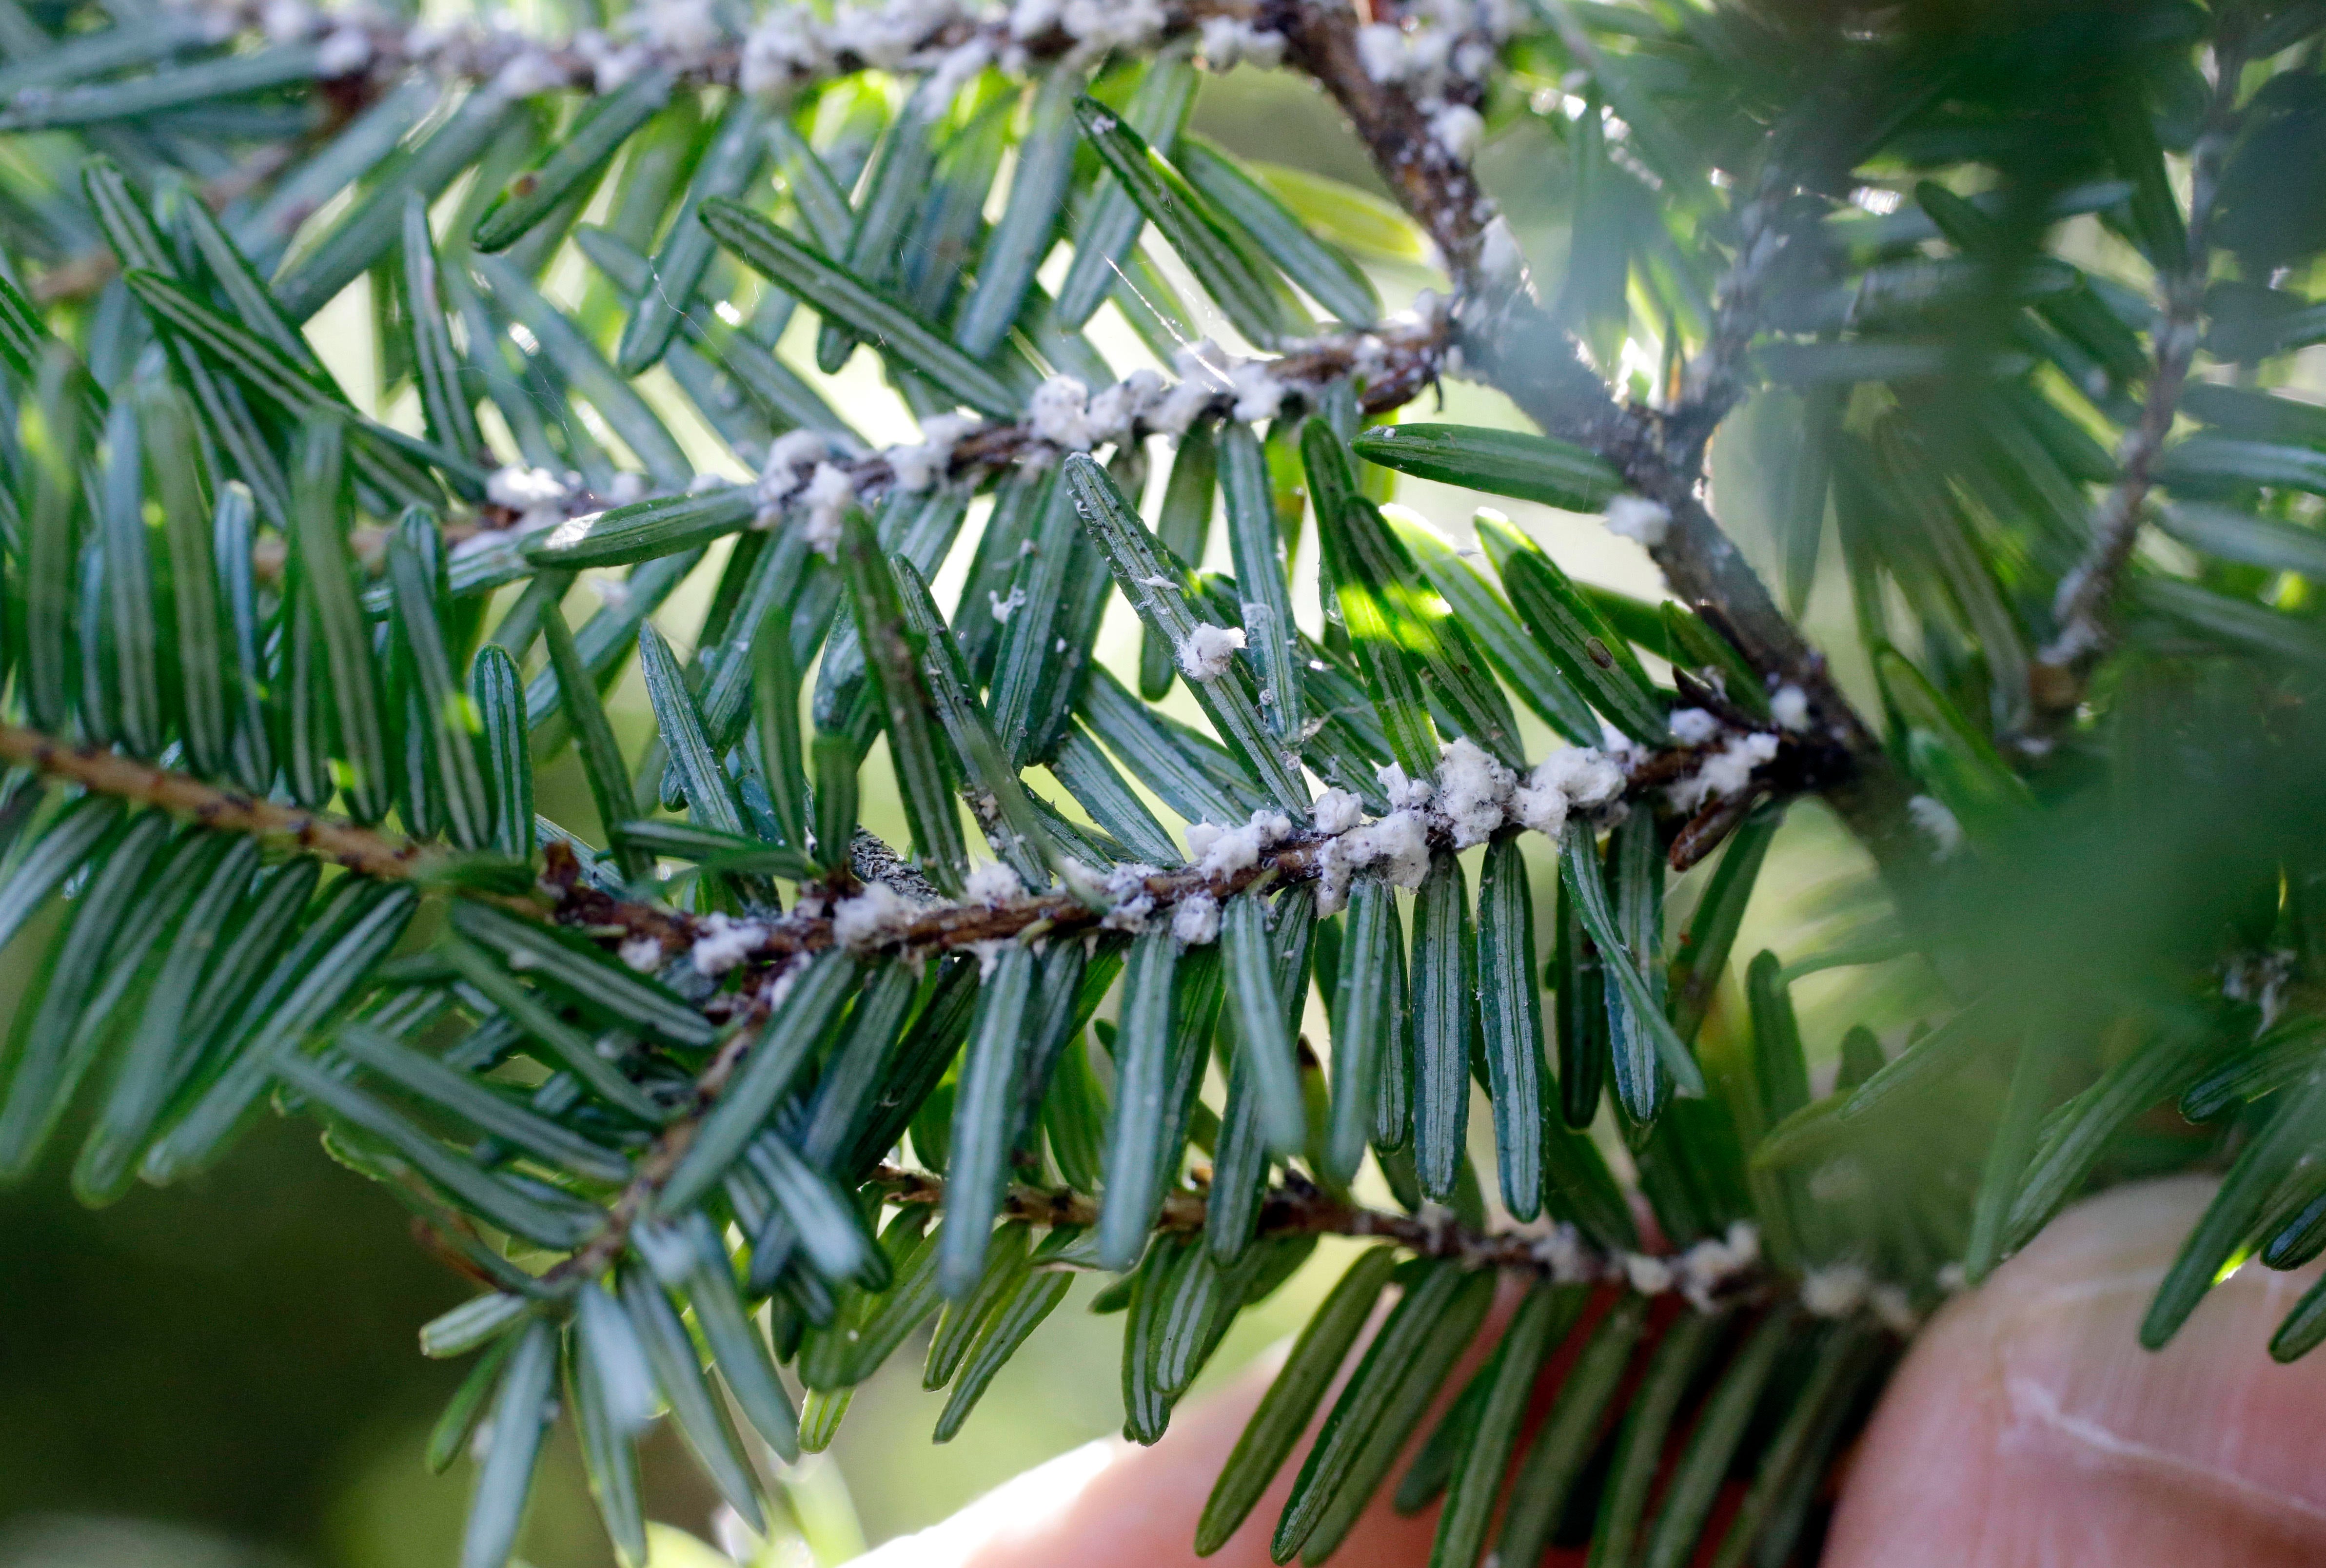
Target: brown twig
[(2062, 669), (1507, 338), (227, 810), (1297, 1207)]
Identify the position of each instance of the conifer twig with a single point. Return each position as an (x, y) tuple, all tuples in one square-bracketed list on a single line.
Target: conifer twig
[(2062, 669), (320, 834), (1507, 339)]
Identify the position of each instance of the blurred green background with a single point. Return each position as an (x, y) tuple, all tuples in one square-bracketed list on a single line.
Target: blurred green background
[(225, 1373)]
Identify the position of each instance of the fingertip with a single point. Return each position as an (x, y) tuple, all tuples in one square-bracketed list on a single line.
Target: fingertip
[(2027, 1426)]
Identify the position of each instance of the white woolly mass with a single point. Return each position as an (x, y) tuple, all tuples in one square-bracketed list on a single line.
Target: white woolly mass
[(1542, 808), (1397, 846), (1586, 777), (779, 477), (1099, 25), (1647, 1275), (725, 942), (286, 21), (611, 65), (1059, 413), (642, 953), (1208, 651), (1473, 791), (1196, 920), (828, 494), (1693, 726), (1404, 793), (783, 49), (923, 463), (993, 882), (1259, 394), (1126, 888), (1637, 517), (1220, 851), (1228, 40), (1380, 50), (688, 29), (1456, 128), (1561, 1252), (1032, 18), (1336, 811), (521, 488), (877, 915), (1002, 609), (529, 74), (1500, 257), (959, 67), (1725, 773), (1835, 1291), (345, 52), (1789, 708), (1937, 824), (1705, 1267)]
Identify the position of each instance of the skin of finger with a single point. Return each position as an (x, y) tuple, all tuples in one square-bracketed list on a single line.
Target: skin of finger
[(1137, 1507), (2027, 1427)]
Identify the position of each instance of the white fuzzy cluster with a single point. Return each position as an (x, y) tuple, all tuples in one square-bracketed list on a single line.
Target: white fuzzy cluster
[(1637, 517), (1835, 1291), (1130, 903), (1579, 778), (724, 941), (543, 500), (1791, 709), (995, 883), (825, 498), (642, 953), (1196, 920), (1068, 415), (529, 490), (873, 918), (1218, 851), (791, 46), (1693, 726), (1937, 824), (1227, 42), (1725, 773), (1395, 848), (820, 500), (1472, 797), (1440, 55), (1474, 791), (1209, 651), (1841, 1290), (344, 39), (1457, 129), (1562, 1253), (918, 464), (1705, 1272), (1500, 257), (1705, 1269), (1336, 811)]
